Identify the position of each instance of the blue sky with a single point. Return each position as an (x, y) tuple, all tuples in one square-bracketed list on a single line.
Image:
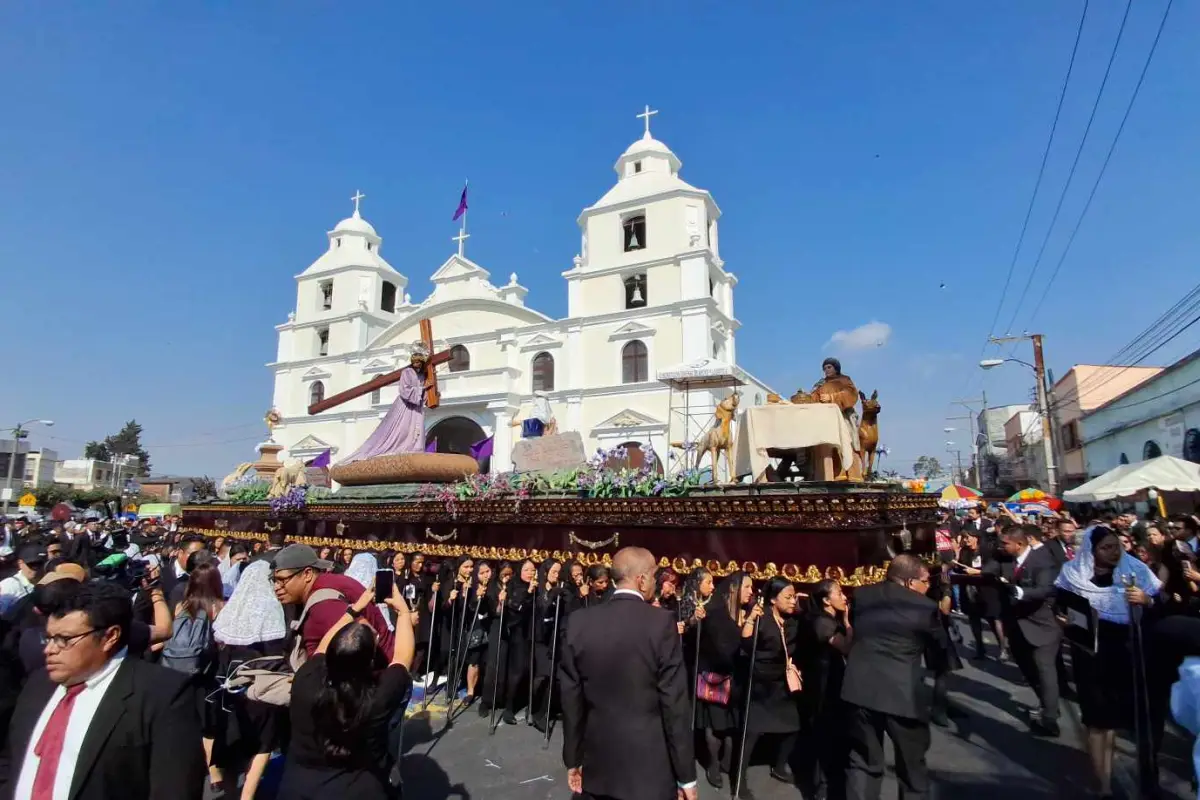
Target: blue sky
[(168, 167)]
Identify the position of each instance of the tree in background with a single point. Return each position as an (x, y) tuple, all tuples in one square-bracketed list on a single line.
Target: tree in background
[(927, 467), (125, 442), (97, 450), (204, 488)]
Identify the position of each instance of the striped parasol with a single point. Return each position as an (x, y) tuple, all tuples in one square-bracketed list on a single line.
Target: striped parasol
[(1036, 496), (957, 491)]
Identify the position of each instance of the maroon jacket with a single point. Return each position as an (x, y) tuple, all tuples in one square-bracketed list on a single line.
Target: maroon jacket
[(322, 616)]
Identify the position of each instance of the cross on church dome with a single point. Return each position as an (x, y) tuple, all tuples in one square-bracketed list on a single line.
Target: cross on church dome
[(646, 115), (355, 223)]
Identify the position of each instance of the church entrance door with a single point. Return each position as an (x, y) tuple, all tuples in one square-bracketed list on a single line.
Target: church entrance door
[(456, 435)]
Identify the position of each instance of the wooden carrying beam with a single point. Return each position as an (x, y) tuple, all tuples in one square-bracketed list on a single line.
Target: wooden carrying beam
[(357, 391)]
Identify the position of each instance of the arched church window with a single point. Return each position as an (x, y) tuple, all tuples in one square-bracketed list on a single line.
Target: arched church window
[(634, 232), (323, 342), (316, 392), (1151, 450), (542, 369), (387, 299), (1124, 459), (635, 366), (460, 359), (1191, 445), (376, 396), (326, 295), (635, 291)]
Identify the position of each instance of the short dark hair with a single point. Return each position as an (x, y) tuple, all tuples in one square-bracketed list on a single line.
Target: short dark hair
[(189, 538), (1016, 533), (276, 539), (905, 568), (104, 603), (238, 548), (197, 558), (49, 597)]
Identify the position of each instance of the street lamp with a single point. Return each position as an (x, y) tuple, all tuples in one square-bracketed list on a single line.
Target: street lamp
[(18, 433), (1043, 398)]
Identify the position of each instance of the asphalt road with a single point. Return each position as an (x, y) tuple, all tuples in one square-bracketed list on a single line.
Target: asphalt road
[(987, 752)]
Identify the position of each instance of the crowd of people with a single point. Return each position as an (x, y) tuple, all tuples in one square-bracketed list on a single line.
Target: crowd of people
[(140, 660)]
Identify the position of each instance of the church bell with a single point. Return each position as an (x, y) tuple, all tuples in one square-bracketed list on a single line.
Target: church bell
[(633, 240), (636, 297)]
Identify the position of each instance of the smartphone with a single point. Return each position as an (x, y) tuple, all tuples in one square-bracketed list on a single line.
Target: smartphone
[(384, 580)]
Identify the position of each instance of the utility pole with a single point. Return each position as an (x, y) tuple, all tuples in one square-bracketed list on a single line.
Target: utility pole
[(1043, 399)]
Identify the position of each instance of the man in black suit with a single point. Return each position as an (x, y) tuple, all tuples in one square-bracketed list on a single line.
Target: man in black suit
[(884, 684), (627, 726), (1033, 632), (175, 572), (97, 725)]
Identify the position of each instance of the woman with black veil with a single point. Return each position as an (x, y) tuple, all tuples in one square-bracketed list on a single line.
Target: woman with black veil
[(717, 706), (518, 623), (547, 622)]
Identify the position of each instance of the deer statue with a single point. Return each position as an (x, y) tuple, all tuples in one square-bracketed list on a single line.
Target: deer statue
[(719, 438), (868, 431)]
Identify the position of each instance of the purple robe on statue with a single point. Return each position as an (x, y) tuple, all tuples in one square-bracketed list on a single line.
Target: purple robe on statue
[(403, 429)]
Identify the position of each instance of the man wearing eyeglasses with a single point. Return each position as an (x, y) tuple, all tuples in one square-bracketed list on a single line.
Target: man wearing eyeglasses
[(97, 724), (299, 575)]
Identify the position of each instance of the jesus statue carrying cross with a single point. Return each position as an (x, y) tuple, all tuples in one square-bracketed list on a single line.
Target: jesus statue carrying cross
[(403, 429)]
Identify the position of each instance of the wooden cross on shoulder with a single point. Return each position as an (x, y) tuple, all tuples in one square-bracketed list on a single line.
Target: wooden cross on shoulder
[(432, 397)]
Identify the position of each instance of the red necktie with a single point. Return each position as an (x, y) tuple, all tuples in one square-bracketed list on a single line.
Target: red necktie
[(50, 746)]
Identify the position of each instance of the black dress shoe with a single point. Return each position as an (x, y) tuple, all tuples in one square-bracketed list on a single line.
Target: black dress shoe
[(715, 779), (540, 723), (783, 775), (509, 718), (1042, 727)]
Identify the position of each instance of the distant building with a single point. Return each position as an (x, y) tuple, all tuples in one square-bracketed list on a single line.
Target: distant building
[(1026, 454), (993, 447), (1083, 389), (1157, 416), (12, 470), (39, 468), (86, 474), (169, 488)]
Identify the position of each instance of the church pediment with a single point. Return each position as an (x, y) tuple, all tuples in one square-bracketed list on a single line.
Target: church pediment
[(456, 319), (458, 268), (631, 330), (311, 444), (376, 365), (541, 341), (315, 374), (628, 419)]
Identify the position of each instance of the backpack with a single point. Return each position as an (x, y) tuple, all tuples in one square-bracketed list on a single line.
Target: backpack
[(269, 679), (190, 648)]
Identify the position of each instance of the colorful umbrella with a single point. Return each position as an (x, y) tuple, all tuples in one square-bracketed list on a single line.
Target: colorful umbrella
[(958, 492), (1036, 496)]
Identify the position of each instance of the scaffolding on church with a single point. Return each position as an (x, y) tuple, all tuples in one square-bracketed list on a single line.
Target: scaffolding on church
[(690, 417)]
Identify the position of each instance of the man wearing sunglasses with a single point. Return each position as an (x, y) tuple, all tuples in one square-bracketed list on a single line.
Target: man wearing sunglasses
[(97, 724)]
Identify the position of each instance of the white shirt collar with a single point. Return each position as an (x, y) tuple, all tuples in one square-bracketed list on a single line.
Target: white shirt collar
[(1024, 555), (633, 592), (180, 572), (108, 670)]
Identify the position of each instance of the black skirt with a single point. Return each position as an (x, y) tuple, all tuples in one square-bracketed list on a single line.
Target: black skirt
[(1105, 680)]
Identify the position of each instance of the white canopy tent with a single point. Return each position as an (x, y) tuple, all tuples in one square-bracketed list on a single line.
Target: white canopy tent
[(1164, 474)]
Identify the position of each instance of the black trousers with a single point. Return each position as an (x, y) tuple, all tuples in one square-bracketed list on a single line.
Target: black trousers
[(910, 740), (1039, 667)]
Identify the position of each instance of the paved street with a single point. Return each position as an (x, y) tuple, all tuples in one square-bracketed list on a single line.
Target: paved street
[(986, 753)]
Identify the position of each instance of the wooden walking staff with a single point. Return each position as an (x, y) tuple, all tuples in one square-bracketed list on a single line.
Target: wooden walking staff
[(432, 397)]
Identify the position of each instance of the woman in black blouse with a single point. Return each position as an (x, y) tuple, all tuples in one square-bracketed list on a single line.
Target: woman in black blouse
[(518, 624), (340, 710), (823, 666), (549, 614), (775, 681), (720, 641)]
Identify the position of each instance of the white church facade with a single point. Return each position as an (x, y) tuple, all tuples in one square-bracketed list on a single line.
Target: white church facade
[(647, 293)]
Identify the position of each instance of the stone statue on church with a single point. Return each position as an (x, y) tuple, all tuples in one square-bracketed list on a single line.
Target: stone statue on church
[(540, 420)]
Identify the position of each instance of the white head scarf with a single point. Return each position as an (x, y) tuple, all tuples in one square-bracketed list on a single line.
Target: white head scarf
[(252, 614), (1108, 601), (541, 408), (362, 569)]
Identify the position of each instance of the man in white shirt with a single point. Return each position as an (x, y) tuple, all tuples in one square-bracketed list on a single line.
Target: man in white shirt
[(98, 725), (30, 560)]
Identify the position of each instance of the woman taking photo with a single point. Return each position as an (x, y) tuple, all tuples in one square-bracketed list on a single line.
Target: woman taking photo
[(1112, 582), (716, 696), (775, 680), (340, 711)]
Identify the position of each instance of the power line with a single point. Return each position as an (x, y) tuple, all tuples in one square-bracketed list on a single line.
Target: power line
[(1104, 166), (1112, 57), (1041, 173)]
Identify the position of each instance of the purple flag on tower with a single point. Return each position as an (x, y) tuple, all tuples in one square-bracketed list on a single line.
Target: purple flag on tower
[(482, 451), (321, 461), (432, 446), (462, 206)]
